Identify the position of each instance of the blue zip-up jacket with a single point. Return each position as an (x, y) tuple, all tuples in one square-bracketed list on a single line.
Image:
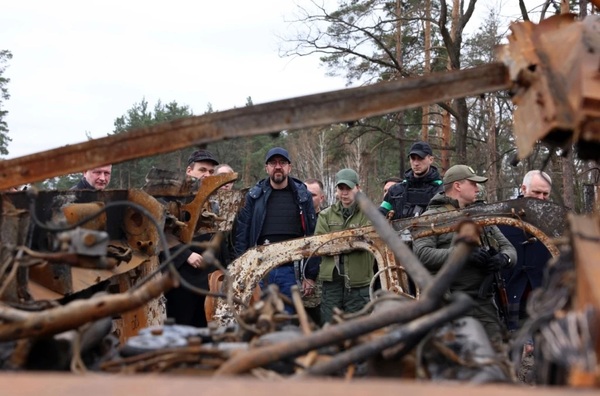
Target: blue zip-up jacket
[(251, 218)]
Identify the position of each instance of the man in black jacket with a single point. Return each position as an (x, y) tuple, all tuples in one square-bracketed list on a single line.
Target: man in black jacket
[(278, 208), (94, 179), (410, 197), (183, 305)]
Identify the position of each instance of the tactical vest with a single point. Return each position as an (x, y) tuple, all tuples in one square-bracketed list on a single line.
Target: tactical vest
[(413, 200)]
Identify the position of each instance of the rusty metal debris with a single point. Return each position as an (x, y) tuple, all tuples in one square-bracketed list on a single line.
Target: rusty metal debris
[(554, 69), (60, 248)]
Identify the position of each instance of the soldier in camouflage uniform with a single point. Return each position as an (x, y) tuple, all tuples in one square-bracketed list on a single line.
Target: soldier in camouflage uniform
[(494, 254)]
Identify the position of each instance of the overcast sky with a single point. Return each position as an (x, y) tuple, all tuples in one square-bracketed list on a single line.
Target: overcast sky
[(78, 65)]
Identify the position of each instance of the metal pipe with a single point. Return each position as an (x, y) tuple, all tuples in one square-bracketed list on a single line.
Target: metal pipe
[(461, 303)]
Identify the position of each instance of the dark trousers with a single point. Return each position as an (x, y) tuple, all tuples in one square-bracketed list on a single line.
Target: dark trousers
[(186, 307), (337, 295)]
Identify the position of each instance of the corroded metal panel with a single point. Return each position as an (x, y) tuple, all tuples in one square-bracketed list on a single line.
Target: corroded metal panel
[(585, 231), (554, 69)]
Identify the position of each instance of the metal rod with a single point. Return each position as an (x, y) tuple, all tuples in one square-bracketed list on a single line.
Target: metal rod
[(459, 306)]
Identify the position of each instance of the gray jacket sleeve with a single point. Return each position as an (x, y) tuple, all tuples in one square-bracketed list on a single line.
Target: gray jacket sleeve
[(431, 256), (504, 246)]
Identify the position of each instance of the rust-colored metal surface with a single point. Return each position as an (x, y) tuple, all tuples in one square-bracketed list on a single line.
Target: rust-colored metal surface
[(76, 212), (25, 384), (247, 270), (585, 234), (77, 313), (554, 69), (142, 234), (561, 99), (549, 217), (194, 212)]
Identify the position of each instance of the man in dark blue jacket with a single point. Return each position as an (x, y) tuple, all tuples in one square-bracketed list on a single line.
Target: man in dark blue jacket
[(410, 197), (278, 208), (532, 255)]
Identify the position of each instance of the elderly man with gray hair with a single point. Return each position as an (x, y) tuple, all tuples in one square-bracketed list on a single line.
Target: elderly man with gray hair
[(532, 255)]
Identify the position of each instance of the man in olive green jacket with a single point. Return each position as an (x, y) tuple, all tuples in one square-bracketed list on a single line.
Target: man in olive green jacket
[(495, 253), (346, 277)]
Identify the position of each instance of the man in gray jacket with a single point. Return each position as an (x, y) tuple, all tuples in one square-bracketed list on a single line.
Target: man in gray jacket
[(495, 253)]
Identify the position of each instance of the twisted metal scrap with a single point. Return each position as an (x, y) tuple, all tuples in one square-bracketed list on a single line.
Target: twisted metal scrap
[(79, 312), (431, 299), (539, 218)]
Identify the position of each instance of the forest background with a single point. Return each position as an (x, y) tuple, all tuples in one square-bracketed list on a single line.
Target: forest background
[(370, 41)]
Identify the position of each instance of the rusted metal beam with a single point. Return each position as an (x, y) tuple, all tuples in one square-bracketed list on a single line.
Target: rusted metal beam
[(38, 383), (194, 209), (554, 67), (290, 114), (402, 252), (585, 233), (548, 217), (79, 312), (248, 269)]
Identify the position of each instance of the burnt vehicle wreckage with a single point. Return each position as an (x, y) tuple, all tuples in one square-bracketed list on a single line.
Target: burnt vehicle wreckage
[(82, 281)]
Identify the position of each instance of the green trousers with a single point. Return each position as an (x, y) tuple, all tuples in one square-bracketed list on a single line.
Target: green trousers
[(336, 294)]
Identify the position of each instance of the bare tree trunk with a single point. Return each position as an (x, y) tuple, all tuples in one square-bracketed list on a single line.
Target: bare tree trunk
[(427, 68), (564, 6), (459, 104), (445, 159), (401, 133), (583, 4), (492, 183)]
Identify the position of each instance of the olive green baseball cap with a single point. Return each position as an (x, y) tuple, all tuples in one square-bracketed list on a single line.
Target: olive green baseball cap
[(346, 176), (462, 172)]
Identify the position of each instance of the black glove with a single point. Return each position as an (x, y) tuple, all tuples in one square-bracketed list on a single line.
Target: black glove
[(497, 262), (478, 257)]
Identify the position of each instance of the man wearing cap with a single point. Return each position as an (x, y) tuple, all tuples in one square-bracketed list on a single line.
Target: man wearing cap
[(411, 196), (183, 305), (346, 277), (278, 208), (494, 254)]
